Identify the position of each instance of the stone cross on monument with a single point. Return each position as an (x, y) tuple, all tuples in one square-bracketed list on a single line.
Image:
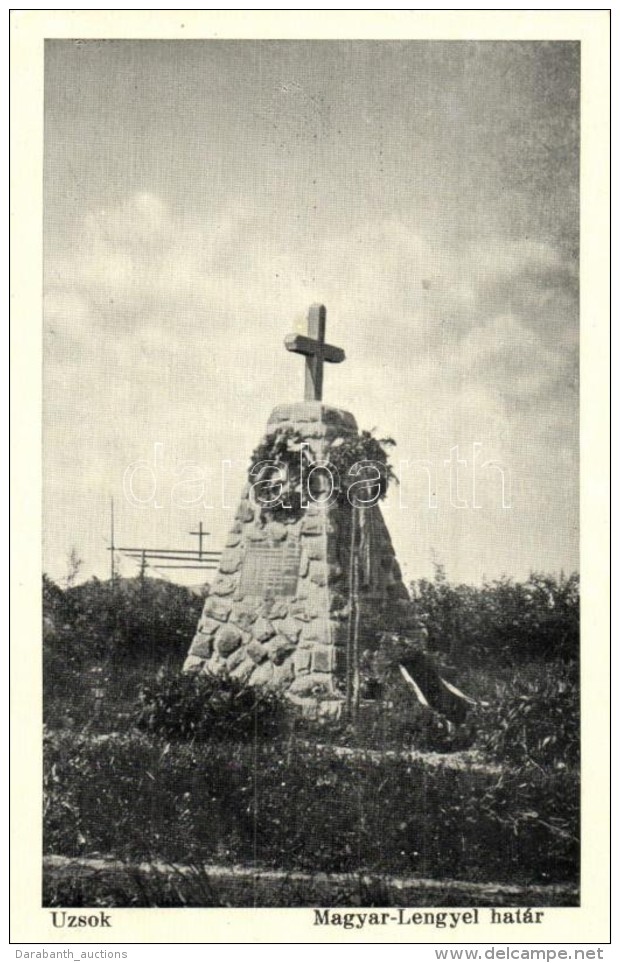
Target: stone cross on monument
[(315, 349)]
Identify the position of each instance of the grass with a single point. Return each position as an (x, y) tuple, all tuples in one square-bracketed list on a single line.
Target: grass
[(298, 806), (303, 802)]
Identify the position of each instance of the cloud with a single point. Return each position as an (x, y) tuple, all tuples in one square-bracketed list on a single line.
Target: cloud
[(163, 326), (140, 288)]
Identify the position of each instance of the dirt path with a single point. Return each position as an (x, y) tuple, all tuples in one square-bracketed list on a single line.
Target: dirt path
[(470, 759)]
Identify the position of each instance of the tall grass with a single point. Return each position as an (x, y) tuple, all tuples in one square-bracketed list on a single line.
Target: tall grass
[(291, 799), (297, 806)]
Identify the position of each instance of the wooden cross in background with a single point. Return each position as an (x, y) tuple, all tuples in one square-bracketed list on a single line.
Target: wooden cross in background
[(201, 534), (316, 351)]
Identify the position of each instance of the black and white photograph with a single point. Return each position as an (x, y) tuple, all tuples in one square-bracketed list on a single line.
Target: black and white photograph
[(311, 467)]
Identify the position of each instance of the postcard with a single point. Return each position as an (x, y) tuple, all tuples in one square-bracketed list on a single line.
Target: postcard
[(310, 373)]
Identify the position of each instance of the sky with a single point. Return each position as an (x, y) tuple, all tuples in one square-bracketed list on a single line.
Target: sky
[(200, 195)]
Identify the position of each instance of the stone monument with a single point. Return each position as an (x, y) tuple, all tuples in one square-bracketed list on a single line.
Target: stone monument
[(281, 613)]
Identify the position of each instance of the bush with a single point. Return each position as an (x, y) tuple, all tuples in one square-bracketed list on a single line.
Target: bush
[(132, 619), (138, 619), (512, 622), (534, 721), (203, 707), (112, 633)]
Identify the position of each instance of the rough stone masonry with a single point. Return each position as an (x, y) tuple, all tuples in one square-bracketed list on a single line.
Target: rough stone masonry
[(278, 611)]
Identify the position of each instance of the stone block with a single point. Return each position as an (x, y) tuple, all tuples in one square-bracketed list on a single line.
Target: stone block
[(216, 667), (290, 628), (336, 416), (223, 586), (310, 710), (283, 675), (318, 574), (243, 671), (316, 431), (262, 675), (309, 685), (318, 630), (277, 532), (276, 610), (333, 528), (306, 415), (237, 657), (301, 660), (193, 664), (302, 411), (217, 609), (244, 613), (256, 534), (204, 636), (245, 513), (201, 647), (278, 649), (323, 658), (279, 414), (262, 629), (317, 600), (256, 651), (230, 561), (233, 539), (208, 627), (299, 611), (312, 525), (227, 640), (315, 550)]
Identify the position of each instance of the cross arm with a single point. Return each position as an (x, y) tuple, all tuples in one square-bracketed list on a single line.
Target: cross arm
[(300, 344)]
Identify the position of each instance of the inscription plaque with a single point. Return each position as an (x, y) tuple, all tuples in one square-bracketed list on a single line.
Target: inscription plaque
[(271, 570)]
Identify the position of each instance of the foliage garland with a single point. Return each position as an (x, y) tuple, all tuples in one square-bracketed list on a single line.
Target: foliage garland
[(360, 460)]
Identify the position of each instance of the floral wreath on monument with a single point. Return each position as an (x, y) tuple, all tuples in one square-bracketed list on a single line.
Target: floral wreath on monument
[(283, 466)]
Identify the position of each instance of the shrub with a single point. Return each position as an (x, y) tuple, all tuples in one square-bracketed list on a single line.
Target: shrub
[(534, 720), (202, 707), (510, 621), (130, 619), (111, 632)]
